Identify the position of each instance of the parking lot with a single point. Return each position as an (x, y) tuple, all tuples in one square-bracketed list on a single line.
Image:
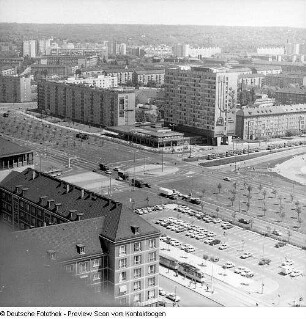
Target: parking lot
[(235, 250)]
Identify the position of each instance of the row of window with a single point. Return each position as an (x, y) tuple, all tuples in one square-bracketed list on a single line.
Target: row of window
[(137, 285), (137, 273), (137, 260), (151, 294), (137, 247)]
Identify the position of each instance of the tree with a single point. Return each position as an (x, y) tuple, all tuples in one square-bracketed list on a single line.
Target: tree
[(219, 187), (298, 210), (274, 192), (217, 211), (232, 199)]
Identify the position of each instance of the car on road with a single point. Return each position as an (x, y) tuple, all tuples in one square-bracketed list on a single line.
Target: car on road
[(276, 233), (162, 292), (173, 297), (243, 221), (223, 246), (217, 220), (175, 243), (296, 273), (228, 264), (108, 172), (246, 255), (280, 244), (264, 261)]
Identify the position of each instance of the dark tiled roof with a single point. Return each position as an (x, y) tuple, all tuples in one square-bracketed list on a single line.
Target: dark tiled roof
[(91, 205), (63, 238), (118, 226), (8, 148)]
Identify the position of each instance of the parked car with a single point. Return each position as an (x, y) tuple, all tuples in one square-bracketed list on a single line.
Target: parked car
[(223, 246), (189, 249), (238, 270), (228, 264), (246, 255), (227, 179), (215, 242), (214, 259), (247, 273), (162, 292), (296, 273), (173, 297), (264, 261), (287, 262)]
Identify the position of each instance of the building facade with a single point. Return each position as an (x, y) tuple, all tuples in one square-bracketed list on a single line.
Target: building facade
[(124, 76), (271, 121), (82, 61), (202, 100), (283, 80), (112, 249), (43, 70), (101, 81), (251, 80), (143, 77), (103, 107), (29, 48), (15, 89), (290, 96)]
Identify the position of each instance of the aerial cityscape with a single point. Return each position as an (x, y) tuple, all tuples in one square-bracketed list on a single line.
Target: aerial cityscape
[(152, 164)]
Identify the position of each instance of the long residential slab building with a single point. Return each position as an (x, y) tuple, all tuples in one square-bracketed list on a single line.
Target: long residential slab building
[(90, 105)]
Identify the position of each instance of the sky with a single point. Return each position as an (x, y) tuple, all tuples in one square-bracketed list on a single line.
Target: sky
[(290, 13)]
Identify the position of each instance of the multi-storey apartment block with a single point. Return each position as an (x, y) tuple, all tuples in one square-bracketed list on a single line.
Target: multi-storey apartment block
[(202, 100), (142, 77), (251, 80), (123, 75), (101, 81), (290, 95), (81, 61), (14, 89), (270, 121), (98, 240), (105, 107), (285, 79)]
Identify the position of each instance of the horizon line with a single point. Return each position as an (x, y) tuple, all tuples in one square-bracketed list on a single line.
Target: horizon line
[(158, 24)]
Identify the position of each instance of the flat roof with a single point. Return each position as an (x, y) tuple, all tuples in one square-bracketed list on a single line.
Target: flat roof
[(146, 130), (8, 148)]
